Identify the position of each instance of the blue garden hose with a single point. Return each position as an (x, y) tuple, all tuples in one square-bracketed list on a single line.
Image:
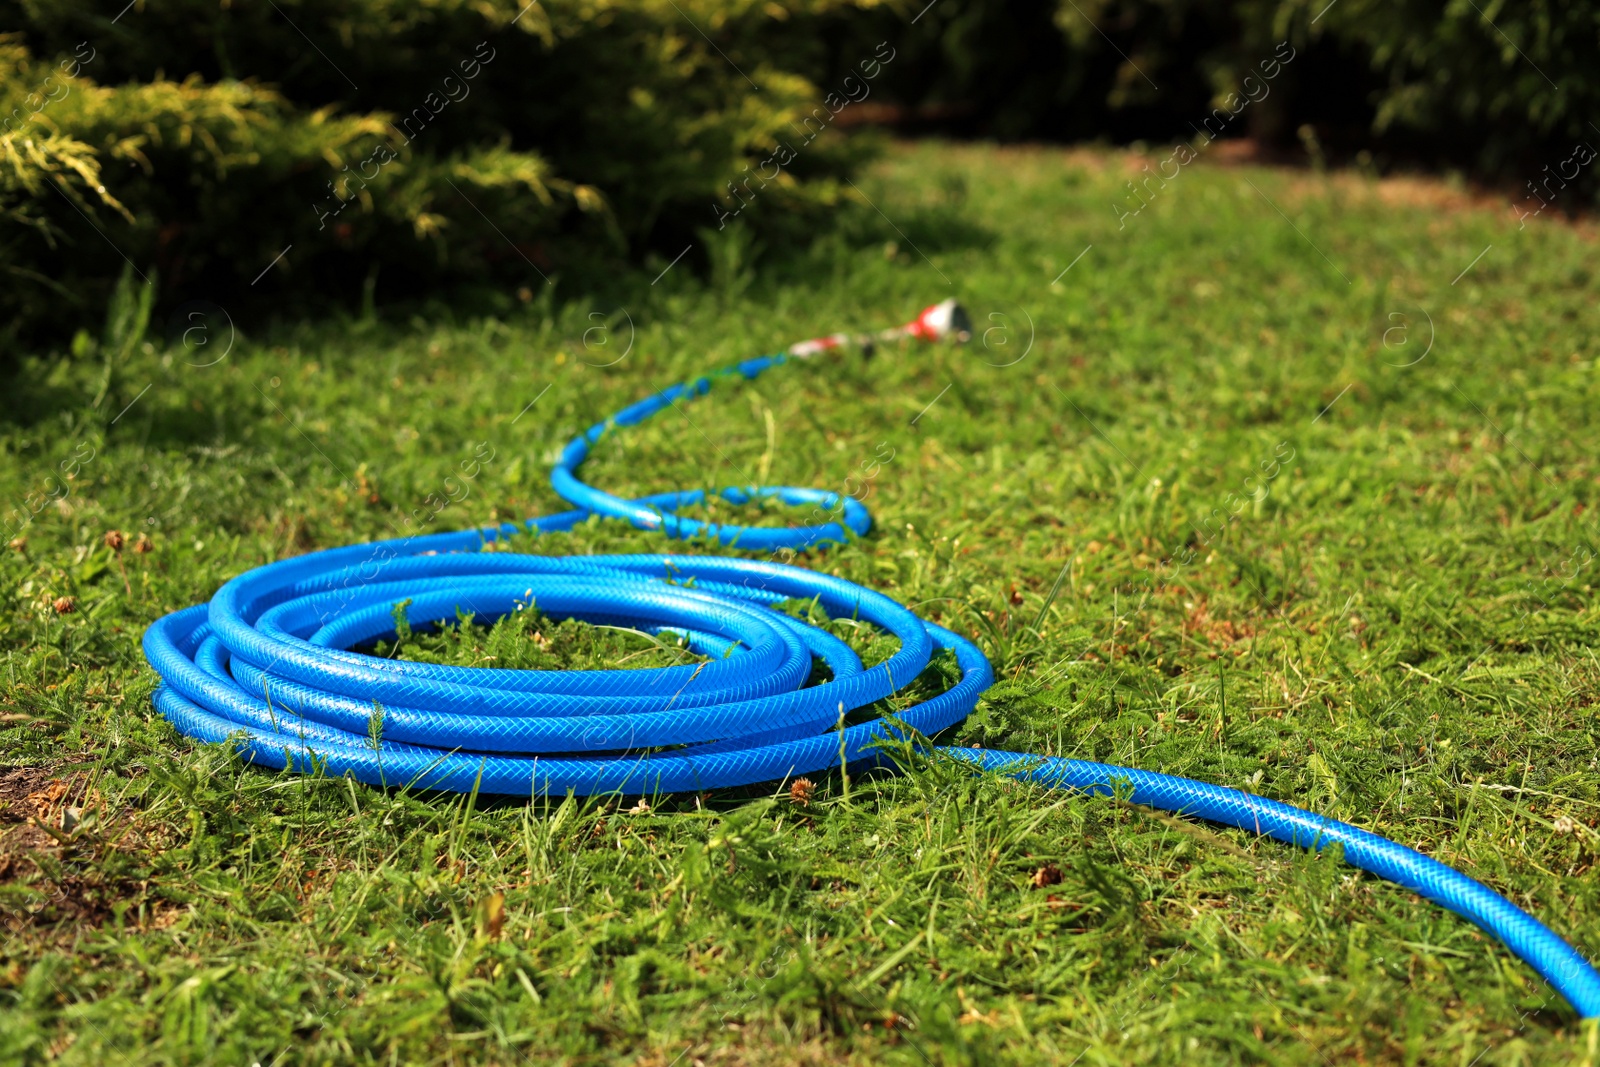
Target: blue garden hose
[(266, 667)]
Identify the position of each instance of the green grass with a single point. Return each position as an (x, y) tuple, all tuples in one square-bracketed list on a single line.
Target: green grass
[(1397, 629)]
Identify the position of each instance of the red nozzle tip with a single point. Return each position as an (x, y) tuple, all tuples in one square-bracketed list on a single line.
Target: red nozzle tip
[(944, 319)]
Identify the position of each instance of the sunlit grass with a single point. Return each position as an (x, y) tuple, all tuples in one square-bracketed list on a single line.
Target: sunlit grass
[(1202, 498)]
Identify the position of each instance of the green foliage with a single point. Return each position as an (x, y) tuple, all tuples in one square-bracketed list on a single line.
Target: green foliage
[(1400, 631), (127, 320), (486, 140), (275, 158), (1513, 77), (1501, 89)]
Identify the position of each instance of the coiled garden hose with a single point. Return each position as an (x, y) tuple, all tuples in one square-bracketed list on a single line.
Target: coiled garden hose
[(266, 667)]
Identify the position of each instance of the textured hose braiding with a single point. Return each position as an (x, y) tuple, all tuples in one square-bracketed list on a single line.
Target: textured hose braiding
[(266, 667)]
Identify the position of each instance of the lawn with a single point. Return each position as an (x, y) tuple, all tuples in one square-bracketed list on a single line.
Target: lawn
[(1284, 482)]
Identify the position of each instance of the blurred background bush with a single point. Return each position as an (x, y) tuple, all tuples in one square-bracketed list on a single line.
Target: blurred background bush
[(297, 155)]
